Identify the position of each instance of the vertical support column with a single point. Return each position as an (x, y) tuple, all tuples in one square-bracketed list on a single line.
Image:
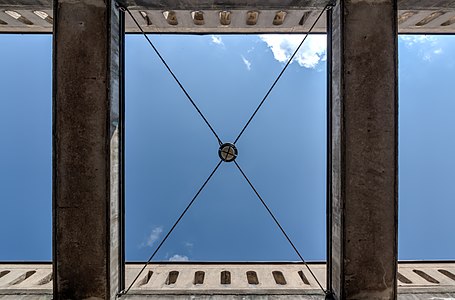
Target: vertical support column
[(364, 150), (86, 149)]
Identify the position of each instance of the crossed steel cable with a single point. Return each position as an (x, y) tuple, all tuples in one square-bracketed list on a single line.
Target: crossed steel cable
[(227, 151)]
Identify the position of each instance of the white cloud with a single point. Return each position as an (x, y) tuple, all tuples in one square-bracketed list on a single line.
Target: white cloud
[(216, 39), (178, 257), (313, 50), (153, 236), (246, 62), (427, 46), (412, 40), (437, 51)]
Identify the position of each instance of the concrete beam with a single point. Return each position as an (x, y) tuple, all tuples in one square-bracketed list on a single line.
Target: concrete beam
[(415, 16), (271, 4), (228, 4), (232, 4), (86, 255), (364, 155), (416, 280)]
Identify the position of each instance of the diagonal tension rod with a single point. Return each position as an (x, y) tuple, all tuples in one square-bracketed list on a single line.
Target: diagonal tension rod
[(173, 75), (279, 226), (281, 73), (124, 292)]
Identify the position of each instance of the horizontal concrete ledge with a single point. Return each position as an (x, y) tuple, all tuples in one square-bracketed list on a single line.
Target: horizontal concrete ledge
[(315, 292), (27, 292), (183, 279), (224, 297), (230, 4), (24, 19)]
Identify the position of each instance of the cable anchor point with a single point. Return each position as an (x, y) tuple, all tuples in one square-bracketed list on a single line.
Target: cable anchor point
[(121, 5), (329, 295), (331, 3), (227, 152)]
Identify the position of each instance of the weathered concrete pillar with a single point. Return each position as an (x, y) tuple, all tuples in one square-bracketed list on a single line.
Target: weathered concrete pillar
[(364, 123), (86, 255)]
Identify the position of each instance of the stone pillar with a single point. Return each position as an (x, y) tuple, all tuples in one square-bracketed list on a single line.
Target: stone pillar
[(86, 147), (364, 150)]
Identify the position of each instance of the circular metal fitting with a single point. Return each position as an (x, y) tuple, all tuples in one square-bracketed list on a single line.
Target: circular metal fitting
[(227, 152)]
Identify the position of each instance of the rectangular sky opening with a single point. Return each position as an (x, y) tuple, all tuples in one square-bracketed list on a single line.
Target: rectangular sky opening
[(170, 150), (26, 147), (426, 143)]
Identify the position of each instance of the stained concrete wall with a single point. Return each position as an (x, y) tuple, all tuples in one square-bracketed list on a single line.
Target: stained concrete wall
[(364, 149), (85, 149), (415, 16), (234, 4), (417, 280)]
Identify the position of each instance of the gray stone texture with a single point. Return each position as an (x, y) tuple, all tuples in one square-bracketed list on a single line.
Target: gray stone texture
[(85, 109), (237, 4), (364, 157)]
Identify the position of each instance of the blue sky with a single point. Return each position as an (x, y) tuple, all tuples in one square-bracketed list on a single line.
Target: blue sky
[(170, 151)]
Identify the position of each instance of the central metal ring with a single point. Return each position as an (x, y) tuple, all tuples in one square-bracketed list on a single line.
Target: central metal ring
[(227, 152)]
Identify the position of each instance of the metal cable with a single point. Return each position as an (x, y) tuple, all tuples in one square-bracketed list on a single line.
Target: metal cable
[(220, 142), (173, 75), (279, 226), (281, 73), (124, 292)]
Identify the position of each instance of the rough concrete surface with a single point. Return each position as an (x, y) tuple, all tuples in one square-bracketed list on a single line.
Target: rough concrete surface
[(364, 158), (83, 106), (237, 4), (415, 16)]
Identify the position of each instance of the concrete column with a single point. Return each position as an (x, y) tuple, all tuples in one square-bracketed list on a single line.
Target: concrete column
[(364, 155), (86, 255)]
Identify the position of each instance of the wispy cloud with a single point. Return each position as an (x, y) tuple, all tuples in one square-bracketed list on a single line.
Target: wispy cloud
[(427, 46), (178, 257), (153, 236), (437, 51), (313, 50), (412, 40), (246, 62), (216, 39)]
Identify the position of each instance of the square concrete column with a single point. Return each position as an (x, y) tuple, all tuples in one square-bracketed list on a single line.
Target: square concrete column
[(362, 256), (86, 149)]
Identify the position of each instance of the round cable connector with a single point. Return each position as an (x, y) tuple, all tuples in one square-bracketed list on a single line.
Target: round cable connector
[(227, 152)]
